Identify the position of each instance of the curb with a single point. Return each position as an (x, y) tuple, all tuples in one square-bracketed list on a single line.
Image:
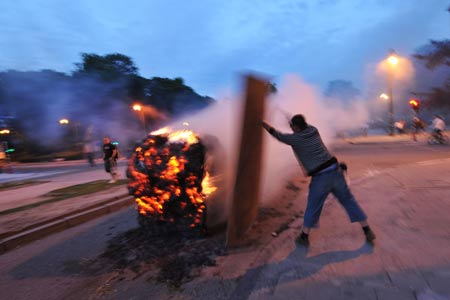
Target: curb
[(63, 222), (51, 220)]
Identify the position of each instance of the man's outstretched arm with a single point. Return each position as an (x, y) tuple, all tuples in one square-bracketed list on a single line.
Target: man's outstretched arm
[(282, 137), (267, 127)]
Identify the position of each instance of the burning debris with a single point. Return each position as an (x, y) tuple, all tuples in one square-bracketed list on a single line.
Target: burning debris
[(170, 182), (168, 259)]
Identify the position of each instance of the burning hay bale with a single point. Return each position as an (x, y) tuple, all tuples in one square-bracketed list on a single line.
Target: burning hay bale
[(170, 182)]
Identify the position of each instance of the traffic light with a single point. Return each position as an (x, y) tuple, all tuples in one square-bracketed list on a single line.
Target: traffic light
[(415, 104)]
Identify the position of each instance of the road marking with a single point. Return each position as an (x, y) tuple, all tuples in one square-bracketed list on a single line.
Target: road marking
[(21, 176), (432, 162)]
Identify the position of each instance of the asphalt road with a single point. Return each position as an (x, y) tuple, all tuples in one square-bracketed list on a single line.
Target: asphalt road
[(43, 170), (55, 267), (365, 157)]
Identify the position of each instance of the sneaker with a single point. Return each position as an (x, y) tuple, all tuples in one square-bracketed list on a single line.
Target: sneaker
[(370, 236), (304, 241), (112, 181)]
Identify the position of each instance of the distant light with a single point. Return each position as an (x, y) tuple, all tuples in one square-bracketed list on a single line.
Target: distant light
[(393, 60), (5, 131), (10, 150), (115, 143), (185, 124), (384, 96), (137, 107), (63, 121)]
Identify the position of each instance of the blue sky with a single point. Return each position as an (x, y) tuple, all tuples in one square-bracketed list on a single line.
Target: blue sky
[(209, 43)]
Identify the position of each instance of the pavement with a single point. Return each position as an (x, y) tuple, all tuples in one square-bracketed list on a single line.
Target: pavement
[(21, 227), (410, 258), (408, 208)]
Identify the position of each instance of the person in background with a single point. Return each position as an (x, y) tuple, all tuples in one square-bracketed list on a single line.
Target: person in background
[(89, 152), (110, 155), (326, 176), (400, 126), (438, 125), (418, 125), (2, 157)]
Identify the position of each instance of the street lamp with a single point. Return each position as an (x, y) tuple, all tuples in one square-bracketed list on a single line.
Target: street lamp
[(75, 125), (63, 121), (392, 61), (139, 108), (384, 96)]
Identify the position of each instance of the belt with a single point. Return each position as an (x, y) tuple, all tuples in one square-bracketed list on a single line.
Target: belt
[(325, 165), (330, 168)]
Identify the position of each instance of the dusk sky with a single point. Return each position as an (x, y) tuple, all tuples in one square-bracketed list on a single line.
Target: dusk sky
[(209, 43)]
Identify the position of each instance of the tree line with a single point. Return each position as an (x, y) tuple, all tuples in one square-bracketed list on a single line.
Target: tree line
[(99, 92)]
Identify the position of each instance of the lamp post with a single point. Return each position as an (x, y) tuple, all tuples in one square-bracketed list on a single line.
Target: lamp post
[(139, 108), (392, 61), (384, 96)]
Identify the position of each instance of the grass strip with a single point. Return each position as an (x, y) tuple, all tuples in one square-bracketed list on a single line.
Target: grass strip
[(67, 193), (19, 184)]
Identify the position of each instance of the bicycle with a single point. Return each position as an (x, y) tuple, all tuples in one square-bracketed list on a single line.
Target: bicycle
[(438, 138)]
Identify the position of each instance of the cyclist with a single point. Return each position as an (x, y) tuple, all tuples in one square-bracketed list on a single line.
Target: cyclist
[(438, 126)]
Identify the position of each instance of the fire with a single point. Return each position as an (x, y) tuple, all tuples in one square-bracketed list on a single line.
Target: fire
[(161, 131), (183, 135), (207, 185), (169, 180)]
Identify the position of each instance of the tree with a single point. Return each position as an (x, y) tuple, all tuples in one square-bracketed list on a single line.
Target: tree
[(108, 67), (117, 69), (137, 87), (173, 96), (100, 87), (439, 98), (437, 53)]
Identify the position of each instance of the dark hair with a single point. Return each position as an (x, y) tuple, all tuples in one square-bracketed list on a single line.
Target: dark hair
[(299, 121)]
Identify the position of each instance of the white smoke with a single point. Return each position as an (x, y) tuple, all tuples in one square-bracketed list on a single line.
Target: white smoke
[(294, 96), (330, 117)]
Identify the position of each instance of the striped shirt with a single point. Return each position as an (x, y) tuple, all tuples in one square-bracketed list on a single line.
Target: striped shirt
[(307, 145)]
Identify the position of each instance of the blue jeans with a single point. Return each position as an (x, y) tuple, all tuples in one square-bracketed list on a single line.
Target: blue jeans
[(320, 187)]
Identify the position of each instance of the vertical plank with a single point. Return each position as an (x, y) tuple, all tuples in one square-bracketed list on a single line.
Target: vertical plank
[(245, 199)]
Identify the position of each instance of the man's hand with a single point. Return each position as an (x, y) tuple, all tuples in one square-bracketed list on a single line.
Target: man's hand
[(267, 127)]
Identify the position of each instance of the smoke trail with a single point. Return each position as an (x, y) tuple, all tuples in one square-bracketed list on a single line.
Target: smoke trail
[(38, 100), (222, 121), (328, 116)]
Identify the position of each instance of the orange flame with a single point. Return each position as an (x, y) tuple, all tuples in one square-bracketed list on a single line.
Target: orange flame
[(168, 166)]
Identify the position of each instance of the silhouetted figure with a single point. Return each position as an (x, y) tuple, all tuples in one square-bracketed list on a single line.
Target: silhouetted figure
[(438, 125), (418, 125), (110, 155), (89, 152)]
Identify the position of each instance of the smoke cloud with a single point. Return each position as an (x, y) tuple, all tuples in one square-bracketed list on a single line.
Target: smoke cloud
[(38, 100), (222, 121), (329, 116)]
